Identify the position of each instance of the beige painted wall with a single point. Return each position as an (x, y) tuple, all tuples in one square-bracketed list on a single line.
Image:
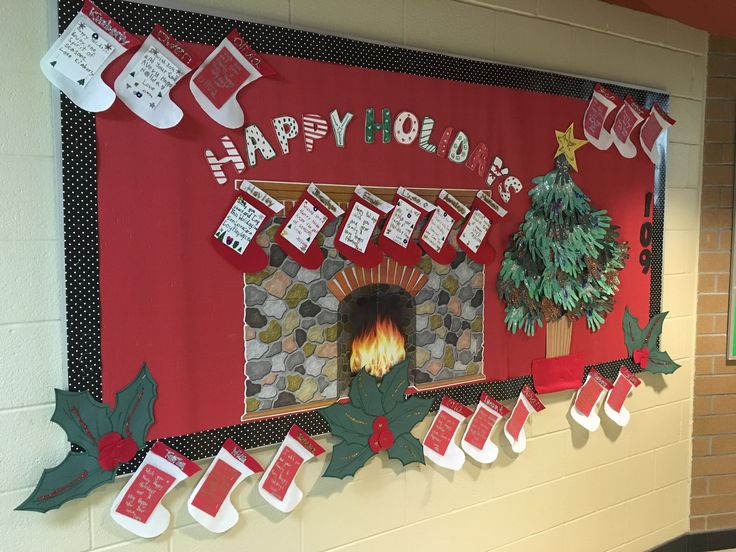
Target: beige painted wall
[(612, 491)]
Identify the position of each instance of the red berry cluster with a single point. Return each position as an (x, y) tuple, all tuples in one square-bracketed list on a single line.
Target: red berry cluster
[(382, 437)]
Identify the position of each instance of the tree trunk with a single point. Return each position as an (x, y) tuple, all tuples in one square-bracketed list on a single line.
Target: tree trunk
[(559, 334)]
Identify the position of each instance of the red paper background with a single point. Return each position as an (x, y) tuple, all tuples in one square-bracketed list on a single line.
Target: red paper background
[(169, 299)]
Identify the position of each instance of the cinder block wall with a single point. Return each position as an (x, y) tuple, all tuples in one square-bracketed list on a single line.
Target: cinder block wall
[(623, 491), (714, 426)]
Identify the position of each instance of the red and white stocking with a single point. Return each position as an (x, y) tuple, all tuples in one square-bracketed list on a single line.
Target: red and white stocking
[(601, 105), (583, 410), (448, 211), (627, 119), (76, 60), (439, 443), (145, 83), (209, 503), (526, 405), (297, 236), (354, 235), (476, 441), (396, 240), (614, 405), (278, 486), (138, 507), (474, 238), (656, 123), (235, 237), (227, 70)]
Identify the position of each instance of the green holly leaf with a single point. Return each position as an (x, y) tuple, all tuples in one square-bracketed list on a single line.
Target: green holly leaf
[(82, 418), (364, 394), (347, 458), (661, 363), (633, 336), (652, 331), (394, 385), (407, 414), (76, 476), (133, 414), (407, 449), (348, 422)]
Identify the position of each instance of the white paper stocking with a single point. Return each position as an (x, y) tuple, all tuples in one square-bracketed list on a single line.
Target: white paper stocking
[(145, 83), (583, 410), (227, 70), (657, 122), (614, 405), (526, 404), (75, 62), (627, 119), (278, 486), (138, 507), (600, 107), (439, 443), (476, 441), (209, 503)]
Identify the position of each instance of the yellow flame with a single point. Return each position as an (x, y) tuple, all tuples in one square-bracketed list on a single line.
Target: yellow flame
[(378, 349)]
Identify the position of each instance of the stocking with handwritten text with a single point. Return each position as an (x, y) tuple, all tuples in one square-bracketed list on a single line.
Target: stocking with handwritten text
[(434, 240), (439, 443), (397, 237), (354, 237), (475, 233)]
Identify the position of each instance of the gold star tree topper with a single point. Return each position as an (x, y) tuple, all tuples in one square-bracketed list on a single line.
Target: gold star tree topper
[(567, 144)]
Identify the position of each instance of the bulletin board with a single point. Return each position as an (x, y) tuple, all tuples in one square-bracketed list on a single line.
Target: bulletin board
[(143, 282)]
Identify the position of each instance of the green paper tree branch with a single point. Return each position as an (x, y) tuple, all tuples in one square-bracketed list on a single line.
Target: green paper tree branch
[(637, 339), (354, 422), (85, 422)]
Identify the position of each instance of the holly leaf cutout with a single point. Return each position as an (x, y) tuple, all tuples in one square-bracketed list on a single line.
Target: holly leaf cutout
[(348, 458), (348, 422), (82, 418), (407, 449), (394, 385), (133, 414), (633, 336), (76, 476), (407, 414), (364, 394), (652, 331), (661, 363)]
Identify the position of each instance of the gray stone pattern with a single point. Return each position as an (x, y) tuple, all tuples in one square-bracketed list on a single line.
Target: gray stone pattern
[(292, 325)]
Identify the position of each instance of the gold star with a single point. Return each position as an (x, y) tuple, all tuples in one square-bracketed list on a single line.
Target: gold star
[(567, 144)]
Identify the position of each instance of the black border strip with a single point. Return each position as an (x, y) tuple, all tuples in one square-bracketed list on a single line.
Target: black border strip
[(79, 169), (700, 542)]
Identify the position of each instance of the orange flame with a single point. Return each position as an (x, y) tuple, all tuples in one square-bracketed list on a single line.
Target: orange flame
[(378, 349)]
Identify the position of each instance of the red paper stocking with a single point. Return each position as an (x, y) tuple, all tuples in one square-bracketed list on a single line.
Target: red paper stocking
[(601, 105), (396, 238), (298, 234), (234, 239), (657, 122), (355, 233), (614, 405), (448, 211), (526, 405), (588, 396), (474, 238), (627, 119)]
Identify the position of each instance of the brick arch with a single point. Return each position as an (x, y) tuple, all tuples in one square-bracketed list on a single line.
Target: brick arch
[(388, 272)]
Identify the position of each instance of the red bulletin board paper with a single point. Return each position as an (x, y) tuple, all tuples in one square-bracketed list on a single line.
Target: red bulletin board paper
[(169, 299)]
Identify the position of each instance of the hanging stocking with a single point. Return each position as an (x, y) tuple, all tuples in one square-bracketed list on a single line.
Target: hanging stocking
[(249, 215), (476, 441), (396, 238), (627, 119), (355, 233), (448, 211), (209, 503), (298, 233), (277, 485), (583, 410), (227, 70), (145, 83), (439, 443), (526, 404), (657, 122), (601, 105), (474, 238), (614, 405), (75, 62), (138, 507)]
